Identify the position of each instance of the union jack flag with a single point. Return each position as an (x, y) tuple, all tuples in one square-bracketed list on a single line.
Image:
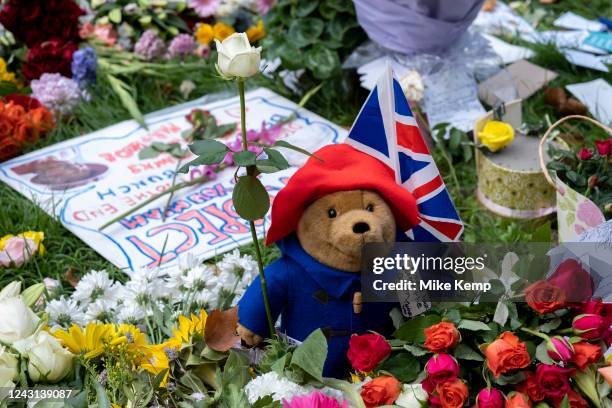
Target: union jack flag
[(386, 129)]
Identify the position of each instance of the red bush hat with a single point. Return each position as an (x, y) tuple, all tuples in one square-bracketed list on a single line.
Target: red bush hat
[(342, 168)]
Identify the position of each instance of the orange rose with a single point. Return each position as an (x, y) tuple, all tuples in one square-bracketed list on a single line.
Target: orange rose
[(585, 354), (544, 297), (506, 354), (517, 400), (453, 394), (380, 391), (441, 337)]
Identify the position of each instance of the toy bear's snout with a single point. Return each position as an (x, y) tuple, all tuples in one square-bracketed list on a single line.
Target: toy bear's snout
[(361, 228)]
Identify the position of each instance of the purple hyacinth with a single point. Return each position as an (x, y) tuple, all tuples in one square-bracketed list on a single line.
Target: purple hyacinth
[(181, 46), (150, 46), (84, 64), (59, 94)]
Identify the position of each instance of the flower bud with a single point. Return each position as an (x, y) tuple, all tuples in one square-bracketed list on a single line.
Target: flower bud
[(588, 326), (559, 349), (593, 181), (490, 398), (441, 368)]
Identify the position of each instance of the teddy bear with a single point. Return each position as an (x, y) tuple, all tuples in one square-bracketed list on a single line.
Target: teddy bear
[(330, 208)]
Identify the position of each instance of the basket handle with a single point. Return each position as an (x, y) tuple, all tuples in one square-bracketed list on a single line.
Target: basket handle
[(545, 139)]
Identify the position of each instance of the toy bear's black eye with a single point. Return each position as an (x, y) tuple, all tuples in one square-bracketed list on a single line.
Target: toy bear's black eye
[(331, 213), (370, 208)]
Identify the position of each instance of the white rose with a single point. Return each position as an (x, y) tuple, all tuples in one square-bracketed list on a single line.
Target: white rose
[(18, 321), (9, 368), (412, 396), (412, 85), (236, 56), (47, 360), (11, 290)]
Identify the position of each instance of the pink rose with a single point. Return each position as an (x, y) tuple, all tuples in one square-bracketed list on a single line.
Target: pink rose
[(441, 368), (490, 398), (589, 214), (553, 380), (560, 349), (17, 251), (589, 326)]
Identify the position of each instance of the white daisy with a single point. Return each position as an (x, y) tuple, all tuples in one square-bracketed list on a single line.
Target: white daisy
[(206, 299), (64, 312), (236, 270), (131, 312), (94, 286), (279, 388), (99, 311), (188, 261), (146, 286), (200, 277)]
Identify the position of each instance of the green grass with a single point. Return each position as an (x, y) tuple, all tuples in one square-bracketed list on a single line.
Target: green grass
[(338, 101)]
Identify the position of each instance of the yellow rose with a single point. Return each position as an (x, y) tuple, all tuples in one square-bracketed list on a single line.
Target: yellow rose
[(496, 135), (204, 34), (256, 32), (221, 31), (5, 75)]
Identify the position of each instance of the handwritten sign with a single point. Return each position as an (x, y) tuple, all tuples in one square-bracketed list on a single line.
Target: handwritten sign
[(91, 179)]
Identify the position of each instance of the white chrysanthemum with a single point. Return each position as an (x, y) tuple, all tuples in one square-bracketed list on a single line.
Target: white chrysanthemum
[(64, 312), (99, 311), (200, 277), (188, 261), (146, 286), (94, 286), (272, 384), (236, 271), (131, 312), (206, 298), (175, 281)]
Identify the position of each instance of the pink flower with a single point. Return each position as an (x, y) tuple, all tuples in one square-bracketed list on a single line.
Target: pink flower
[(589, 326), (441, 368), (263, 6), (589, 213), (17, 251), (490, 398), (315, 400), (105, 33), (204, 8), (585, 154), (560, 349), (604, 147)]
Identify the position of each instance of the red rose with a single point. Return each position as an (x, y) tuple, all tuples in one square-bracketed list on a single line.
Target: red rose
[(589, 326), (544, 297), (380, 391), (517, 400), (575, 400), (559, 349), (441, 368), (531, 388), (453, 394), (35, 21), (26, 101), (490, 398), (506, 353), (367, 351), (593, 306), (441, 337), (604, 147), (553, 380), (51, 57), (575, 281), (585, 154), (9, 148), (586, 354)]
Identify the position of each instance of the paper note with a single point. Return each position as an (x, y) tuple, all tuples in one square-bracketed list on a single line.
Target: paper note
[(573, 21), (519, 80), (451, 96), (584, 59), (570, 39), (597, 96), (504, 21), (602, 41), (508, 52)]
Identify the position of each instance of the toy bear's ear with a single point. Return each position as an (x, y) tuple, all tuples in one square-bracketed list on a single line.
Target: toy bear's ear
[(334, 168)]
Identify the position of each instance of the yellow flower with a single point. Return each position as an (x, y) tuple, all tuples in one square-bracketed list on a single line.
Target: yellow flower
[(35, 236), (256, 32), (155, 360), (221, 31), (5, 75), (204, 34), (496, 135), (90, 342), (187, 328), (130, 335)]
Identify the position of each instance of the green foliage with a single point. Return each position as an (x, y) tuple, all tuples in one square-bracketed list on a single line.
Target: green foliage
[(412, 330), (250, 198), (310, 356), (157, 148), (315, 35), (402, 366)]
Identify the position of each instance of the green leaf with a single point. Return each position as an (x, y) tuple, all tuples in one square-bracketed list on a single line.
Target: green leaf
[(403, 366), (244, 158), (148, 152), (103, 401), (287, 145), (455, 139), (305, 31), (277, 159), (473, 325), (311, 354), (542, 355), (236, 370), (304, 8), (251, 199), (266, 166), (322, 61), (415, 350), (412, 330), (550, 325), (115, 15), (290, 55), (565, 402), (128, 102), (465, 352)]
